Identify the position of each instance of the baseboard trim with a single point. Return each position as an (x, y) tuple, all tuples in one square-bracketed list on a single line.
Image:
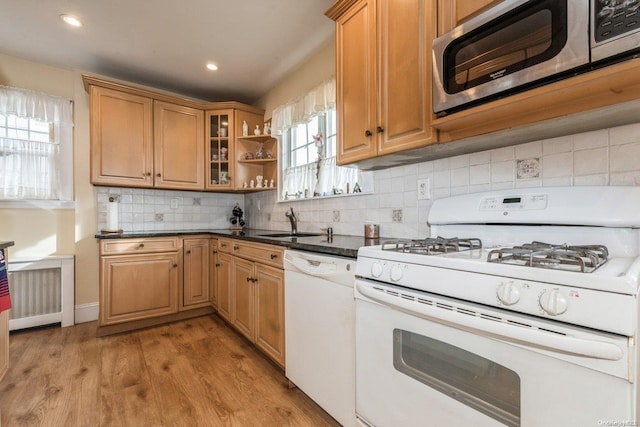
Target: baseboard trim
[(87, 312)]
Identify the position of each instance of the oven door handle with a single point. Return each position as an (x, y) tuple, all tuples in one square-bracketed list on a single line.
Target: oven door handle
[(505, 332)]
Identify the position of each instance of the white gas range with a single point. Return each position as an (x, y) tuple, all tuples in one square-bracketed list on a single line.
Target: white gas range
[(528, 317)]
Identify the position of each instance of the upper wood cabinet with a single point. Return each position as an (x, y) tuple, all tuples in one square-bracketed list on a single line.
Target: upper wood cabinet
[(141, 138), (121, 128), (178, 146), (452, 13), (383, 60), (137, 141)]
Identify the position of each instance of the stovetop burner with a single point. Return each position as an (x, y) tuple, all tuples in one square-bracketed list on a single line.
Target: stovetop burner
[(433, 245), (582, 258)]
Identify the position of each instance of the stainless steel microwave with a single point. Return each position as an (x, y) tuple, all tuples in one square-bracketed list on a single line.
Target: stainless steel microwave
[(518, 44)]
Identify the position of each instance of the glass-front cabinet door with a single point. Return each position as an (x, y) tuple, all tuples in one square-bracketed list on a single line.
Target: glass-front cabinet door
[(220, 149)]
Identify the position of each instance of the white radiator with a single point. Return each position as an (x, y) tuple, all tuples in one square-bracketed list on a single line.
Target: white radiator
[(42, 291)]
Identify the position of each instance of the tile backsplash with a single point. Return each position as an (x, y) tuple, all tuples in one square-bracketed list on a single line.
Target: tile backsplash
[(151, 210), (602, 157)]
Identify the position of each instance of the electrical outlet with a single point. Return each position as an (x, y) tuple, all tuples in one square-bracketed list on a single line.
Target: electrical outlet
[(424, 192), (336, 216), (174, 203)]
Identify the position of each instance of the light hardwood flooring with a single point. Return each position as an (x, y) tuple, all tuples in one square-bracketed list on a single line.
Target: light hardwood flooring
[(196, 372)]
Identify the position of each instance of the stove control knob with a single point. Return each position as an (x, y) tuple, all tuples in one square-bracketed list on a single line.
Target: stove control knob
[(376, 269), (396, 273), (508, 293), (553, 302)]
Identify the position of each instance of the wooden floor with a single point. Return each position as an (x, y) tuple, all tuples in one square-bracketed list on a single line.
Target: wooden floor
[(196, 372)]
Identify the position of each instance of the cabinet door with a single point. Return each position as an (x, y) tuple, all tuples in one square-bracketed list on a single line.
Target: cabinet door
[(135, 287), (243, 297), (405, 29), (195, 276), (121, 127), (178, 146), (452, 13), (356, 83), (225, 286), (213, 272), (270, 311), (220, 150)]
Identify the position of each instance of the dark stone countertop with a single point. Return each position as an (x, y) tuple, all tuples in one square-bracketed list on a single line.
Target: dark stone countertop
[(6, 244), (340, 245)]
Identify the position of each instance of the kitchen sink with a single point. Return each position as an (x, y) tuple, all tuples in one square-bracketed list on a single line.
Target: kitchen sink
[(290, 235)]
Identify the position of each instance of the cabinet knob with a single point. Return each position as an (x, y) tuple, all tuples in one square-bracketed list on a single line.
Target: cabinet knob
[(175, 265), (223, 245), (141, 245), (249, 279), (274, 256), (367, 133), (235, 248), (217, 265), (188, 252), (158, 175), (379, 129), (214, 252)]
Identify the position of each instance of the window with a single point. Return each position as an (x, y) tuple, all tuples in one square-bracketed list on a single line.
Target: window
[(308, 135), (35, 146)]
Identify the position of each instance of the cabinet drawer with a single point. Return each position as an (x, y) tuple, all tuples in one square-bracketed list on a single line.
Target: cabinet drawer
[(138, 246), (264, 254)]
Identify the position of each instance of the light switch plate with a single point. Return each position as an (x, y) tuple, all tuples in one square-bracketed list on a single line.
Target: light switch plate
[(424, 192)]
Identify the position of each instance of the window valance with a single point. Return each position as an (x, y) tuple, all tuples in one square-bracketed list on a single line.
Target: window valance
[(36, 105), (317, 101)]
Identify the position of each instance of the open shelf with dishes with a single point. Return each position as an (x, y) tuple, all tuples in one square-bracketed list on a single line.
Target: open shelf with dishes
[(257, 162)]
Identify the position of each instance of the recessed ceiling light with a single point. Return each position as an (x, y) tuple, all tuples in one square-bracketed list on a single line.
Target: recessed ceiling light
[(71, 20), (211, 66)]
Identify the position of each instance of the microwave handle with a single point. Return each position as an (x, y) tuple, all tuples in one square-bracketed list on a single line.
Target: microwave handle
[(505, 332)]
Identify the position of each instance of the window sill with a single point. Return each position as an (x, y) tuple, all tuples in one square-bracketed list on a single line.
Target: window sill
[(37, 204), (333, 196)]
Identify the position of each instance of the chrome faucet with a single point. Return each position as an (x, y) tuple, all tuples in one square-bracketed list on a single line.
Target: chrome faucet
[(293, 219)]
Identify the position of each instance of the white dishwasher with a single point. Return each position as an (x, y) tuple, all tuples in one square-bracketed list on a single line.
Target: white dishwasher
[(320, 330)]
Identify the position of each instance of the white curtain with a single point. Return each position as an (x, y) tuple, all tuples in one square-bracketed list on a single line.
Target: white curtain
[(31, 169), (332, 177), (301, 182), (323, 178), (318, 100)]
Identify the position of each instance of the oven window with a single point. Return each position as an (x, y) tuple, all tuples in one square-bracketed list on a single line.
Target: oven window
[(473, 380), (527, 36)]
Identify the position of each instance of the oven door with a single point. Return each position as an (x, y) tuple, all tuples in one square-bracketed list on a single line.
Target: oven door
[(432, 361), (510, 45)]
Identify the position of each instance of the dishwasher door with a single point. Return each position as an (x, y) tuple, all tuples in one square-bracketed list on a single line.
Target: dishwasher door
[(320, 330)]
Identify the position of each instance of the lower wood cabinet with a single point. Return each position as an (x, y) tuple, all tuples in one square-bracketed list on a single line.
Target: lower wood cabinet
[(149, 281), (254, 292), (213, 272), (136, 287), (195, 276), (224, 285)]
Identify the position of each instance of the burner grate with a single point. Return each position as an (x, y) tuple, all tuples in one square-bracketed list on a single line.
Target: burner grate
[(582, 258), (433, 245)]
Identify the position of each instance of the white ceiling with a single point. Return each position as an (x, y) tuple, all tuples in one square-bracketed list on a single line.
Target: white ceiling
[(166, 43)]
